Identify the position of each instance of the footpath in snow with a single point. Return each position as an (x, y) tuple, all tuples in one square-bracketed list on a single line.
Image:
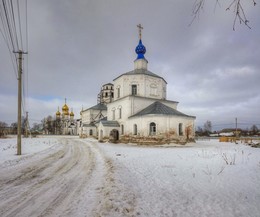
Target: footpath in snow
[(58, 176)]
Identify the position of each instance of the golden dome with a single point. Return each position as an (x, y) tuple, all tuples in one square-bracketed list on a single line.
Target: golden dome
[(58, 112), (71, 114), (65, 107)]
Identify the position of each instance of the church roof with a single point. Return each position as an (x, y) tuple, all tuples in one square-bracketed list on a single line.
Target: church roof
[(158, 108), (142, 72), (99, 106), (107, 84), (89, 125), (110, 123)]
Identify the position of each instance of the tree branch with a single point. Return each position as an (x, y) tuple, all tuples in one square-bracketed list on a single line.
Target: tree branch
[(238, 9)]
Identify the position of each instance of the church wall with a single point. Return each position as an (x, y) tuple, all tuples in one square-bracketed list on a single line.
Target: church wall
[(129, 106), (165, 125), (90, 114), (104, 132), (155, 87), (113, 110), (89, 131), (147, 86)]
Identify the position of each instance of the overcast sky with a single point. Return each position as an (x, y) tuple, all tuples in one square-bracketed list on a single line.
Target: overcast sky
[(76, 46)]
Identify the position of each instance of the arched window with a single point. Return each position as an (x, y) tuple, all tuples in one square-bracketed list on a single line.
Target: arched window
[(135, 129), (180, 129), (118, 92), (134, 89), (113, 114), (119, 112), (91, 132), (122, 129), (152, 128)]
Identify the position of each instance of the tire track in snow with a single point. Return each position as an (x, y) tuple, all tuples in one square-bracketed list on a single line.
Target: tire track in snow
[(115, 200), (26, 172), (52, 184)]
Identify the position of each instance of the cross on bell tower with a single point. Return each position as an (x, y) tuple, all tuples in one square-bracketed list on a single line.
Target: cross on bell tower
[(139, 26)]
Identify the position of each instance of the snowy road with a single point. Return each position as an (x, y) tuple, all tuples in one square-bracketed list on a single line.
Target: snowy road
[(59, 176), (71, 178)]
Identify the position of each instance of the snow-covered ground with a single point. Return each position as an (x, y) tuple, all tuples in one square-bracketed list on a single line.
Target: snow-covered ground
[(67, 176)]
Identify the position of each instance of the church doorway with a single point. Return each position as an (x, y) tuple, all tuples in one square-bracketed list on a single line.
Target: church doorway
[(114, 135)]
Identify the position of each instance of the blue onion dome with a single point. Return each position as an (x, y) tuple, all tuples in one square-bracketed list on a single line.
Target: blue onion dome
[(140, 50)]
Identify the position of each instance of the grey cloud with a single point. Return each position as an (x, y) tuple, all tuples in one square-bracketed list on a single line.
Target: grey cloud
[(76, 46)]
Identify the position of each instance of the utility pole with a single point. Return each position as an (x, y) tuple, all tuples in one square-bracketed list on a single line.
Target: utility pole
[(236, 129), (19, 121), (26, 125)]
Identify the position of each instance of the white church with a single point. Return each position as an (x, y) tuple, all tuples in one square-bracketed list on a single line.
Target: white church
[(134, 109)]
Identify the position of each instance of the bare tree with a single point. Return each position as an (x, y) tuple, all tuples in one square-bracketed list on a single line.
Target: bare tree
[(3, 128), (36, 127), (207, 127), (254, 129), (14, 128), (236, 5)]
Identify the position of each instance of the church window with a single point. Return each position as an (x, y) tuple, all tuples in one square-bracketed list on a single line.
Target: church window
[(135, 129), (134, 89), (122, 129), (152, 128), (106, 94), (120, 112), (118, 92), (112, 95), (113, 114), (91, 132), (180, 129)]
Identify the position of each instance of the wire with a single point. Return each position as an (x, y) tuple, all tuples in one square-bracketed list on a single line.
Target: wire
[(13, 24), (10, 16), (7, 40), (8, 25), (20, 27)]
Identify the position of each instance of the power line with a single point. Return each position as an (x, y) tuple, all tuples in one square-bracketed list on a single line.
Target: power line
[(5, 31), (8, 25), (20, 26), (10, 35), (13, 24)]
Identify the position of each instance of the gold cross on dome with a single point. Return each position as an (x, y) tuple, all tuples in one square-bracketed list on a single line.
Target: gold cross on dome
[(140, 30)]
